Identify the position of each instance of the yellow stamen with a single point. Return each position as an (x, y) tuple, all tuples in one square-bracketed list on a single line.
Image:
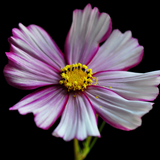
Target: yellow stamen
[(79, 87), (61, 69), (84, 66), (61, 82), (96, 81), (63, 75), (76, 77), (84, 86)]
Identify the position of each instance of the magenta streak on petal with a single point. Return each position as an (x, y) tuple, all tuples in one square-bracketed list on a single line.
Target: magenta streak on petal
[(60, 113), (7, 67), (88, 48), (16, 51), (140, 59), (114, 62), (140, 99), (103, 38), (43, 44), (108, 32), (94, 74), (93, 54), (105, 119), (50, 39), (14, 32), (92, 107), (66, 56), (12, 51), (11, 40), (113, 124), (122, 97), (17, 63), (79, 116), (42, 97), (39, 100), (17, 106)]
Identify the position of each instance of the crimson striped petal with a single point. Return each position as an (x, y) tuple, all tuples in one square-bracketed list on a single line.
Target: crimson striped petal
[(78, 119), (115, 110), (47, 104)]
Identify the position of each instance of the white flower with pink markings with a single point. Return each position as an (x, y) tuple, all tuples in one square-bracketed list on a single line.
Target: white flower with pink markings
[(86, 80)]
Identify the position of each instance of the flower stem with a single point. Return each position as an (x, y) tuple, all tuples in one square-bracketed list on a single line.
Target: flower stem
[(81, 154), (88, 140), (76, 149)]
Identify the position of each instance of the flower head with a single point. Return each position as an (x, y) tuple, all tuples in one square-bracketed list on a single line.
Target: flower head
[(86, 80)]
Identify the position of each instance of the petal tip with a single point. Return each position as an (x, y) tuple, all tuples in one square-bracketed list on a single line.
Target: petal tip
[(20, 25), (128, 32), (89, 5)]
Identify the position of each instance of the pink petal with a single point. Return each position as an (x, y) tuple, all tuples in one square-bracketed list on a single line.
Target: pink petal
[(46, 104), (119, 52), (132, 86), (37, 43), (89, 28), (115, 110), (27, 72), (78, 119)]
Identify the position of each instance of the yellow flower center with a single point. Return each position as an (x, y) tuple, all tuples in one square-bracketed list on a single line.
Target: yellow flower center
[(76, 77)]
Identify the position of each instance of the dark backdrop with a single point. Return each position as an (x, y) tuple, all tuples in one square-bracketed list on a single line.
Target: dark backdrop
[(22, 139)]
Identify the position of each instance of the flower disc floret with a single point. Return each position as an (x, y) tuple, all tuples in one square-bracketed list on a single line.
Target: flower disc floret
[(76, 77)]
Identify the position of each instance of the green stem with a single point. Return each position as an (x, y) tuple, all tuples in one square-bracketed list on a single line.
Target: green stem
[(88, 140), (76, 150), (81, 154)]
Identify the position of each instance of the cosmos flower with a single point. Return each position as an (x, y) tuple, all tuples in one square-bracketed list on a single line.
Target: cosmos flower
[(86, 80)]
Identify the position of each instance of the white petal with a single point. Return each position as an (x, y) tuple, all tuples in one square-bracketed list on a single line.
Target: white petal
[(34, 58), (78, 120), (26, 72), (133, 86), (36, 42), (89, 28), (119, 52), (115, 110), (46, 104)]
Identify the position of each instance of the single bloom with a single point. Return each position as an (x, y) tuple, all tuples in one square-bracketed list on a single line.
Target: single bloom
[(86, 80)]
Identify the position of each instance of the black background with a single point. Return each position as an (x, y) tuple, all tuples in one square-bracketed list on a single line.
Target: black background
[(22, 139)]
